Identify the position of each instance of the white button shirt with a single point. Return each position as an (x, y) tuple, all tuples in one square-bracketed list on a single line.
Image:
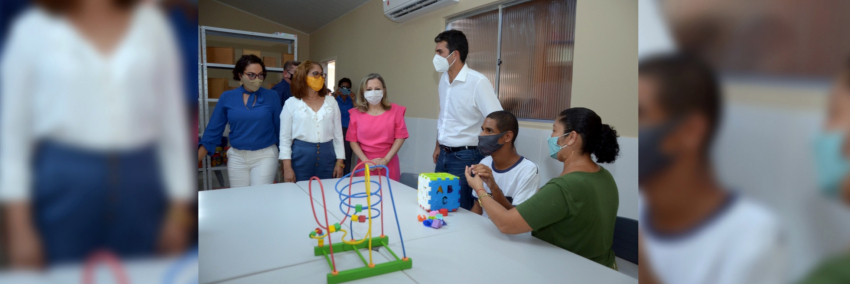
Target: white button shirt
[(57, 86), (464, 103), (299, 121)]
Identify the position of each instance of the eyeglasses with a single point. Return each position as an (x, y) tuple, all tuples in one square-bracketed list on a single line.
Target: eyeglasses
[(317, 74), (252, 76)]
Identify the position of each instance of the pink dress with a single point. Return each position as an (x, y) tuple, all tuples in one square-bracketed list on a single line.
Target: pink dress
[(376, 135)]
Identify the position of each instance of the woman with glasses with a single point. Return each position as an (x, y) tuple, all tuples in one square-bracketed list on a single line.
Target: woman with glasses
[(253, 114), (311, 128)]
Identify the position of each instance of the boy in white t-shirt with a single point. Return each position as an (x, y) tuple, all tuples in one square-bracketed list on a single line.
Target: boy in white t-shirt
[(502, 167)]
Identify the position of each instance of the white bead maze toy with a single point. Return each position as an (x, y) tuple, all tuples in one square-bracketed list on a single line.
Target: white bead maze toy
[(368, 241)]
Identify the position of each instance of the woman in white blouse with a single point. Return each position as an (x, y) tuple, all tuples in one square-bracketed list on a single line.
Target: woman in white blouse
[(311, 142), (95, 148)]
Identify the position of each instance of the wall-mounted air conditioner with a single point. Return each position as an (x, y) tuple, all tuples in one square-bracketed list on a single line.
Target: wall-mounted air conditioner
[(403, 10)]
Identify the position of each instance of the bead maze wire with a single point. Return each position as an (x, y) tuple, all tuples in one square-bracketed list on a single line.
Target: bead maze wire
[(346, 200)]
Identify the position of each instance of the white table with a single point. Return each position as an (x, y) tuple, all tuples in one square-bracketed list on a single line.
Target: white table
[(250, 230)]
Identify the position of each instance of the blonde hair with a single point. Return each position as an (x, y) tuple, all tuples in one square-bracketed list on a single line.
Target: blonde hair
[(360, 100)]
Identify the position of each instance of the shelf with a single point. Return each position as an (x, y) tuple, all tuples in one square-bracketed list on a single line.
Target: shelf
[(282, 38), (219, 168), (231, 66)]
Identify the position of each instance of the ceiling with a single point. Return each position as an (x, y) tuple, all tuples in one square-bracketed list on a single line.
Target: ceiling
[(303, 15)]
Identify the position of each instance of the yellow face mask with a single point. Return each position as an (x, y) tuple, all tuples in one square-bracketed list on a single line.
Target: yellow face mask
[(316, 83)]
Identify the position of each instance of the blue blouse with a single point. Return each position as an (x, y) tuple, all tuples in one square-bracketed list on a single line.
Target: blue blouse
[(252, 127), (343, 109)]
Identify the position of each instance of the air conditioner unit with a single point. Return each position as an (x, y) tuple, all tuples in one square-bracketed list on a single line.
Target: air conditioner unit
[(403, 10)]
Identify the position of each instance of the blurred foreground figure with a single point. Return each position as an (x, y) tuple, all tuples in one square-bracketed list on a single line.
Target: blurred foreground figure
[(832, 155), (692, 229), (94, 148)]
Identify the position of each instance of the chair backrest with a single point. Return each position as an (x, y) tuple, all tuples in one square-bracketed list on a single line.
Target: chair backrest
[(410, 179), (625, 244)]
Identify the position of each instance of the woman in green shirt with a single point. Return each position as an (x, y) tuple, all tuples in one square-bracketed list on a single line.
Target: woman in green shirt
[(576, 210)]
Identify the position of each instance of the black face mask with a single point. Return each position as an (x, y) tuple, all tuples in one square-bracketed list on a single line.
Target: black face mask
[(489, 143), (650, 158)]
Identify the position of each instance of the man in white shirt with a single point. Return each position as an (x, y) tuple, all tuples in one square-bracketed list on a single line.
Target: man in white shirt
[(508, 177), (692, 229), (466, 97)]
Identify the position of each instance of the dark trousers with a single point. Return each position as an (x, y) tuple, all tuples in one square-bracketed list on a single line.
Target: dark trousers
[(313, 159), (348, 160), (455, 163), (85, 200)]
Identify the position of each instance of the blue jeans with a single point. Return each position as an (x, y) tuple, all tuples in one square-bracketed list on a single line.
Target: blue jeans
[(313, 159), (86, 200), (455, 163)]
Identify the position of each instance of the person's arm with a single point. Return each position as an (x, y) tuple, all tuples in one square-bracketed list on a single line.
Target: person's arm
[(351, 136), (436, 149), (355, 147), (16, 151), (215, 129), (507, 221), (399, 131), (285, 148), (477, 208), (339, 148), (484, 98)]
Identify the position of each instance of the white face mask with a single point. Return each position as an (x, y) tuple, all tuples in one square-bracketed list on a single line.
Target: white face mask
[(441, 63), (374, 96)]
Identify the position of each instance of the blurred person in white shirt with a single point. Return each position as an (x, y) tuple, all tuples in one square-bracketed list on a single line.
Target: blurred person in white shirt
[(693, 230), (94, 145)]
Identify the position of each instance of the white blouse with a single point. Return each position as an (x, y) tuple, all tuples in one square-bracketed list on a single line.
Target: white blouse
[(299, 121), (57, 86)]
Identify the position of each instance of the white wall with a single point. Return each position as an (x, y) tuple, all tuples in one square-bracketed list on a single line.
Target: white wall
[(415, 157)]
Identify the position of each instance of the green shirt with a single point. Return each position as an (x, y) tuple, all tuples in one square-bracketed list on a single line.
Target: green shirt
[(834, 270), (576, 212)]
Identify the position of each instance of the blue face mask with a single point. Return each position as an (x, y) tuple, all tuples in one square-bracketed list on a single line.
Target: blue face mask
[(345, 91), (832, 166), (554, 148)]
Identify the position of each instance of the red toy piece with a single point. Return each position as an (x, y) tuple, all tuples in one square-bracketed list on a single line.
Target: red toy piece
[(445, 212), (318, 231)]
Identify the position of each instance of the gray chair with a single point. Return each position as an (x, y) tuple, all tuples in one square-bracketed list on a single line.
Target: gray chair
[(410, 179), (625, 244)]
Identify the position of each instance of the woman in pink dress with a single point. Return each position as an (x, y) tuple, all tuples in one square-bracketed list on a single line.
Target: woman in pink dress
[(376, 127)]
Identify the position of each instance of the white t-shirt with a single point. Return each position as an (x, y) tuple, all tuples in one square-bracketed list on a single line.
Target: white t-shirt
[(740, 243), (519, 182)]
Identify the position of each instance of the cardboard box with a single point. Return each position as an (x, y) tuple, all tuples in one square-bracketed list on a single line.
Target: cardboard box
[(270, 62), (221, 55), (216, 86), (270, 86), (256, 52), (287, 57)]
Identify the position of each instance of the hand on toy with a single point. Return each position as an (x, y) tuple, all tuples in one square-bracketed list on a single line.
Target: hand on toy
[(474, 182), (485, 173)]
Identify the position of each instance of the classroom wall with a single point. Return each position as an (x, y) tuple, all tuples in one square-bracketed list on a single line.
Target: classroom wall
[(604, 78), (604, 75), (216, 14)]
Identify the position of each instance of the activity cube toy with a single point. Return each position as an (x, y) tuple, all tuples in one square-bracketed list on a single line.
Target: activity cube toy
[(438, 191)]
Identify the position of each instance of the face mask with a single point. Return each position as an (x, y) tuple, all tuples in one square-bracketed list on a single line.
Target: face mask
[(316, 83), (251, 85), (441, 63), (554, 148), (832, 166), (488, 144), (652, 160), (374, 96), (345, 91)]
